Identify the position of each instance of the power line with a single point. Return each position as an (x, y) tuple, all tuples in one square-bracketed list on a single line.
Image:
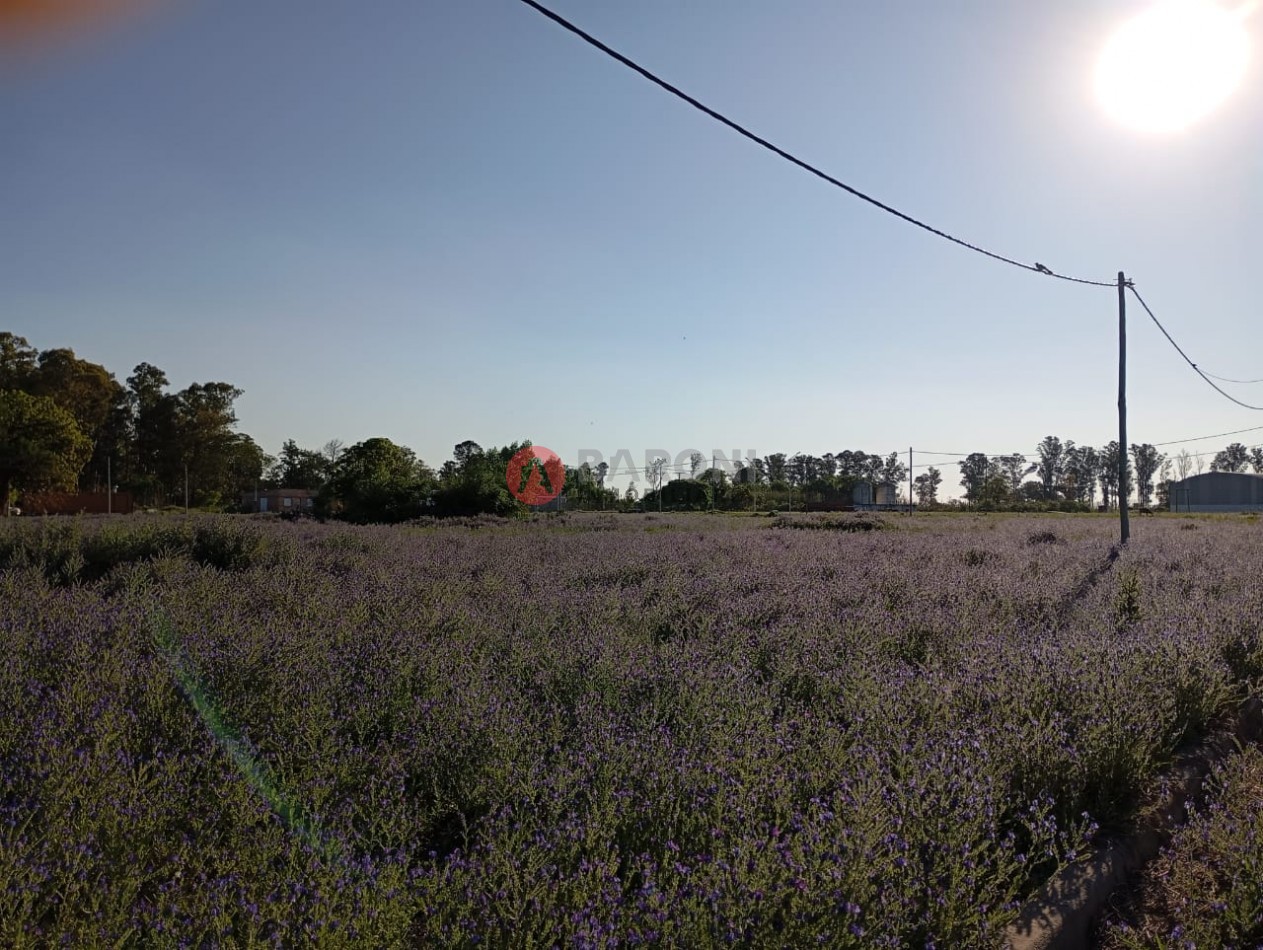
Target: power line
[(1036, 268), (1243, 382), (994, 455), (1209, 381), (1216, 435), (1198, 455)]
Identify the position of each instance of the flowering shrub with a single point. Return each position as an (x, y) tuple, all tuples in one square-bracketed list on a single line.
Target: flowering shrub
[(1206, 889), (589, 732)]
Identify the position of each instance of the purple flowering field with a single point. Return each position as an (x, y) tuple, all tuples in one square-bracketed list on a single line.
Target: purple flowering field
[(591, 731)]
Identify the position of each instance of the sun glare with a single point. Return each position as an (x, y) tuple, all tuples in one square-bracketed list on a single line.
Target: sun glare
[(1173, 64)]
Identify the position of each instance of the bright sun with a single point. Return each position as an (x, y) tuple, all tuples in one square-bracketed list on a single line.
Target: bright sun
[(1173, 64)]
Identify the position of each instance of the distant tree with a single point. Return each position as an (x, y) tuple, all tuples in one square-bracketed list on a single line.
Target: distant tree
[(157, 457), (927, 485), (798, 470), (300, 468), (465, 453), (893, 470), (714, 476), (1013, 467), (1031, 492), (331, 450), (1051, 461), (18, 361), (1256, 459), (872, 468), (476, 481), (1108, 477), (1162, 490), (655, 473), (86, 390), (1183, 465), (696, 462), (850, 467), (41, 446), (1146, 459), (246, 465), (777, 472), (1235, 458), (716, 482), (995, 492), (1082, 464), (377, 481), (685, 494), (206, 441), (973, 475)]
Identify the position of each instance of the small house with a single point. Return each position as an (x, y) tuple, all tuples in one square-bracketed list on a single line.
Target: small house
[(282, 500)]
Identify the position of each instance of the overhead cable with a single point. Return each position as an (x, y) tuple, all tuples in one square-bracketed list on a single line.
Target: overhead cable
[(1209, 381), (1036, 267)]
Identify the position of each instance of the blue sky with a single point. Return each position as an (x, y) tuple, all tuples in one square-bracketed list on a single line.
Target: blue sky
[(454, 220)]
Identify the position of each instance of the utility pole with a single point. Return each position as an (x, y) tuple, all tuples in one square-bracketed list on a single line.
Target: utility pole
[(1123, 526), (909, 481), (109, 488)]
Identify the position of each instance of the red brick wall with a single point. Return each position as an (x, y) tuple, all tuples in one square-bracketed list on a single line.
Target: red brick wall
[(70, 503)]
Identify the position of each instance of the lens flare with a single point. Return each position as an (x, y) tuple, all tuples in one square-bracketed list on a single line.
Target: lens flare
[(35, 24)]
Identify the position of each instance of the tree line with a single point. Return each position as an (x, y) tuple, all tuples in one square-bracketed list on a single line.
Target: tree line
[(1066, 472), (68, 424)]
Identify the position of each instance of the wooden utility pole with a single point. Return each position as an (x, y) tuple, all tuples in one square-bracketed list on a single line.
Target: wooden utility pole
[(909, 481), (1123, 527)]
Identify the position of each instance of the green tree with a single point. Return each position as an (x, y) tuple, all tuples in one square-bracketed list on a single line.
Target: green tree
[(995, 492), (973, 475), (18, 361), (95, 399), (1235, 458), (246, 466), (926, 485), (204, 442), (1147, 459), (41, 446), (1108, 475), (1081, 470), (474, 482), (300, 468), (1014, 469), (1051, 463), (1256, 459), (377, 481), (777, 469), (155, 464), (466, 453), (893, 470)]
